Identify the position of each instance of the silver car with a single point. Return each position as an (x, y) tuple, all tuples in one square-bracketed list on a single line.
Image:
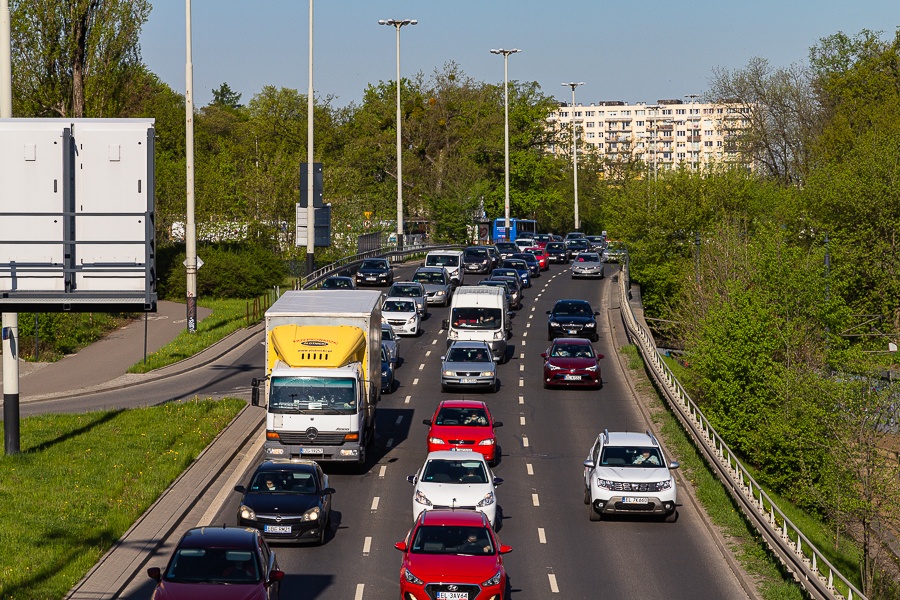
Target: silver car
[(436, 281), (469, 365), (409, 289), (587, 264), (391, 343)]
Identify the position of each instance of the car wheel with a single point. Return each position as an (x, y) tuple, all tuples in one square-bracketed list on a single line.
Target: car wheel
[(550, 337), (671, 517), (587, 495), (443, 389), (495, 387), (593, 514), (323, 529)]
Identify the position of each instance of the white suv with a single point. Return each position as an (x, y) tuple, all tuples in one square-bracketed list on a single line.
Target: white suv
[(627, 473)]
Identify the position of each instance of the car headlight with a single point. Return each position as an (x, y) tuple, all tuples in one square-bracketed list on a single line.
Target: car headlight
[(487, 442), (412, 578), (499, 334), (411, 320), (495, 580), (422, 499), (247, 513), (591, 368), (436, 440), (553, 367), (448, 373), (312, 514), (606, 484), (554, 324), (452, 334), (487, 500), (487, 373), (439, 293), (384, 374), (664, 485), (590, 325)]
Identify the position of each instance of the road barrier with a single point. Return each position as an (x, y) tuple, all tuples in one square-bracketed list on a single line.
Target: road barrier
[(808, 565)]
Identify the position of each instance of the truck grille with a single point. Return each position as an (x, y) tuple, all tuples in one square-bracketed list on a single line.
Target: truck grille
[(321, 439)]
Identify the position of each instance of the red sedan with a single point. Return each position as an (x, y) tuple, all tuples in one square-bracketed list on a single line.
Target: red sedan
[(452, 554), (464, 425), (572, 362), (540, 253)]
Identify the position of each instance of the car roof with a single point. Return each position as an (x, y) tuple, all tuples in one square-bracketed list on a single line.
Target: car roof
[(219, 537), (398, 299), (467, 344), (416, 284), (570, 341), (296, 464), (629, 438), (462, 404), (572, 301), (454, 455), (430, 270), (453, 517)]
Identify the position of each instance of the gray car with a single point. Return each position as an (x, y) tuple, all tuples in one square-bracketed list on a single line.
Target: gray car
[(410, 289), (469, 365), (587, 264), (436, 282)]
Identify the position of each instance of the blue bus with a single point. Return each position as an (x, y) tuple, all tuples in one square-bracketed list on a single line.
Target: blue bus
[(517, 228)]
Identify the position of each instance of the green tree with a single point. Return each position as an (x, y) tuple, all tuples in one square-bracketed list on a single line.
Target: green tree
[(74, 58)]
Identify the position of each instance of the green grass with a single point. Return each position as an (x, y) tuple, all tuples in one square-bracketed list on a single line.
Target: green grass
[(773, 583), (227, 317), (81, 480)]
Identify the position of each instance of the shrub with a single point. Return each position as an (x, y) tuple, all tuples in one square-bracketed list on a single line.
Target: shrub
[(229, 271)]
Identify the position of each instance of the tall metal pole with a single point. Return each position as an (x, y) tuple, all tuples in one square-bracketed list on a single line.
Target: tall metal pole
[(10, 320), (310, 209), (574, 85), (190, 228), (398, 23), (506, 54)]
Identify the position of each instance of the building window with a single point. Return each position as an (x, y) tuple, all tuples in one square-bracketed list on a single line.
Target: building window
[(708, 144), (640, 123), (589, 113), (589, 124), (719, 143), (707, 132), (679, 111), (667, 111), (564, 114), (626, 113), (680, 133), (695, 111), (590, 134), (577, 113), (639, 113)]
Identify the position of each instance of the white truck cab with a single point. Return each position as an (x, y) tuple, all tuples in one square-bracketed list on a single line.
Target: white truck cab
[(480, 313)]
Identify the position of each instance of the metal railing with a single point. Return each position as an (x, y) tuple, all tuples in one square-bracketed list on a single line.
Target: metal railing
[(798, 554)]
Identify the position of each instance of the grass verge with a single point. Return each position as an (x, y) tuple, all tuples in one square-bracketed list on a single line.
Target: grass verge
[(88, 491), (772, 582), (227, 317)]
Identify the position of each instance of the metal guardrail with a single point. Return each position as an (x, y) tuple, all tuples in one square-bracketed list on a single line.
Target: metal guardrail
[(808, 565), (348, 262)]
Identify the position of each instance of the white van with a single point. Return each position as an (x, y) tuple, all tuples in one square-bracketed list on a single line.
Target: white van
[(452, 260), (480, 313)]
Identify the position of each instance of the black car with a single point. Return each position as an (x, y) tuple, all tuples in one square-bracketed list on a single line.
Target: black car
[(557, 252), (375, 271), (510, 301), (338, 282), (208, 560), (572, 318), (514, 285), (577, 245), (287, 501), (477, 259), (506, 249)]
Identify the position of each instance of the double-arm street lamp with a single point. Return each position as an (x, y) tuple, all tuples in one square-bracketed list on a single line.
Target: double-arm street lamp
[(506, 54), (574, 85), (397, 24)]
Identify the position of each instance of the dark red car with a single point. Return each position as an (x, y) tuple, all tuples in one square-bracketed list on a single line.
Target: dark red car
[(452, 554), (572, 362), (464, 425), (540, 253), (219, 563)]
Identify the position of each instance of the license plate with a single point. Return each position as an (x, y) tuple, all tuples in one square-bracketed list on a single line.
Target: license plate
[(458, 449), (452, 596), (572, 377), (277, 529), (468, 380), (571, 331), (311, 450), (636, 500)]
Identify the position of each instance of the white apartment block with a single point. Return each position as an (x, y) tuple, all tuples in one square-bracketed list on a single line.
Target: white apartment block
[(665, 135)]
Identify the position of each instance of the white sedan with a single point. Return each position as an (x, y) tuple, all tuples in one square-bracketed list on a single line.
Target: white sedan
[(453, 479), (402, 315)]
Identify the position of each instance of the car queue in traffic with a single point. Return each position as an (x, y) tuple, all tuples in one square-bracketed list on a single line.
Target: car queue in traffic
[(453, 549)]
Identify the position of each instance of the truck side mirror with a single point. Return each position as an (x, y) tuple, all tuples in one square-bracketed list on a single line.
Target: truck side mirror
[(254, 392), (445, 324)]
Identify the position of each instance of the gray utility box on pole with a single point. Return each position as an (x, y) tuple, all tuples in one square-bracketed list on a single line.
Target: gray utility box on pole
[(77, 220), (322, 232)]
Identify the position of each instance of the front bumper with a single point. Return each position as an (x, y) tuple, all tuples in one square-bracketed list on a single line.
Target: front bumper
[(572, 378), (588, 273), (427, 591), (574, 331), (402, 327), (468, 381), (618, 504), (287, 528), (348, 452)]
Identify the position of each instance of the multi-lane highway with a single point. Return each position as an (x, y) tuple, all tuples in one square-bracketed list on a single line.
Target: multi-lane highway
[(557, 551)]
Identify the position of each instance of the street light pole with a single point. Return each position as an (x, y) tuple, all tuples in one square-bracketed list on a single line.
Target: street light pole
[(310, 180), (190, 227), (398, 23), (506, 54), (574, 85)]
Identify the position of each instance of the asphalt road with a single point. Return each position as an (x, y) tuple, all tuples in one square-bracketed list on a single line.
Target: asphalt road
[(546, 435)]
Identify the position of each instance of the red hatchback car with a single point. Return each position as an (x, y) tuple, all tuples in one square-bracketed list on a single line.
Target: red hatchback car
[(540, 253), (572, 362), (464, 425), (452, 554)]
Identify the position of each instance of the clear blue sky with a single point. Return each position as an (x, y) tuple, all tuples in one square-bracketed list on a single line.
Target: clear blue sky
[(630, 51)]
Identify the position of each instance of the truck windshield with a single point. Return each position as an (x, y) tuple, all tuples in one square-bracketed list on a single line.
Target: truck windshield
[(312, 394), (471, 317)]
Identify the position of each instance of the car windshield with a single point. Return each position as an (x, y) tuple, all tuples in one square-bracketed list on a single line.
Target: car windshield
[(472, 317), (572, 309), (479, 253), (284, 482), (387, 333), (454, 471), (405, 291), (429, 277), (505, 272), (469, 417), (401, 306), (631, 456), (572, 351), (507, 247), (213, 565), (588, 257), (309, 395), (468, 355), (373, 264), (556, 246), (518, 264), (448, 539), (442, 260), (335, 283)]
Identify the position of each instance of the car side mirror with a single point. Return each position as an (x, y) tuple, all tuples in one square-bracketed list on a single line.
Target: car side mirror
[(589, 463), (674, 464), (497, 481), (276, 575), (426, 422), (445, 324), (498, 423), (496, 359), (548, 312), (411, 479), (599, 356), (240, 489), (596, 313), (154, 573), (504, 549), (401, 546), (543, 355), (328, 491)]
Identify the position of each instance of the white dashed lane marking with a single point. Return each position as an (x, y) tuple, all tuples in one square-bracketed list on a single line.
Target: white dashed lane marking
[(375, 503)]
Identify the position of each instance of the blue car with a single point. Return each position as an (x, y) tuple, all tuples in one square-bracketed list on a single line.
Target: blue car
[(387, 371), (534, 267), (521, 267)]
